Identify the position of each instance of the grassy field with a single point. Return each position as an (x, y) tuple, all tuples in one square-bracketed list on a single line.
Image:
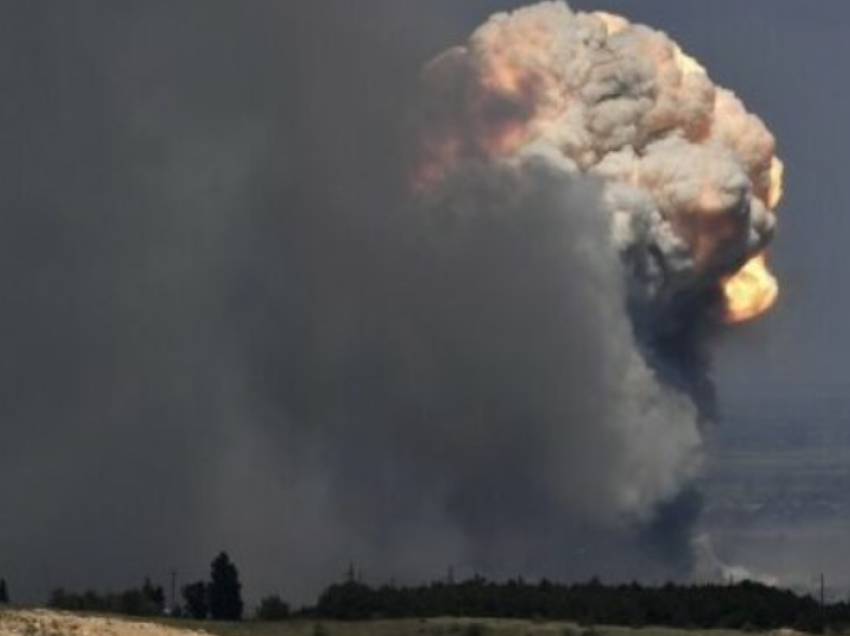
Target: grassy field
[(434, 627)]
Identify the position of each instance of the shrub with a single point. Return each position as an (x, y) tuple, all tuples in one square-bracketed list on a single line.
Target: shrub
[(272, 608)]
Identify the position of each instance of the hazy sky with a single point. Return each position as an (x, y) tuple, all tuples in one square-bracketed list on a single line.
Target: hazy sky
[(147, 150)]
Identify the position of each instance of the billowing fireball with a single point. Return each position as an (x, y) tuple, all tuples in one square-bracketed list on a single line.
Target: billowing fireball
[(690, 178)]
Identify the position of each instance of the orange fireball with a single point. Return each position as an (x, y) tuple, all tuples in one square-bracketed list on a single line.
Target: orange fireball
[(563, 85), (753, 290)]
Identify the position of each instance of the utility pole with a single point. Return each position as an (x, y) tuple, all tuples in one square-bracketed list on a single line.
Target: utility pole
[(173, 591)]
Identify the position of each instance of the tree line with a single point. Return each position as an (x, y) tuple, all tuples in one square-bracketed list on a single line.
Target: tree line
[(219, 598), (147, 600), (744, 605)]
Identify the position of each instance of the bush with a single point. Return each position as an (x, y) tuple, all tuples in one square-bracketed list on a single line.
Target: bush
[(144, 601), (137, 603), (272, 608), (197, 600)]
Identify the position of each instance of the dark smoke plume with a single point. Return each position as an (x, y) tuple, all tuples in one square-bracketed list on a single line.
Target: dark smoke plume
[(228, 324)]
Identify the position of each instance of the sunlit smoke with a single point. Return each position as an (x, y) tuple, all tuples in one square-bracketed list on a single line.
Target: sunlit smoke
[(693, 177), (545, 101), (753, 290)]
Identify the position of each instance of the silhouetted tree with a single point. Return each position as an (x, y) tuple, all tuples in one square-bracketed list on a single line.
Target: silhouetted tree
[(132, 602), (154, 594), (57, 598), (197, 600), (272, 608), (225, 591)]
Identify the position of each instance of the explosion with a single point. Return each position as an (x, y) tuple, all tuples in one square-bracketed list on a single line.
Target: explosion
[(753, 290), (690, 178), (603, 177)]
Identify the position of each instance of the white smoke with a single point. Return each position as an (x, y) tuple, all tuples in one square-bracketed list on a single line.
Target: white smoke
[(690, 176), (541, 107), (708, 567), (546, 331)]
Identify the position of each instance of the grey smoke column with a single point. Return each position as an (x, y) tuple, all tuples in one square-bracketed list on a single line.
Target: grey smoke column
[(686, 182), (228, 323)]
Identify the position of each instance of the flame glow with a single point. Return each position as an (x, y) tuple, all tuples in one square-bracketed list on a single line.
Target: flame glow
[(613, 23), (546, 77), (753, 290), (686, 63)]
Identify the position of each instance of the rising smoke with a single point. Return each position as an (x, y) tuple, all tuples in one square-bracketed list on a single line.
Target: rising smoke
[(686, 184), (516, 382), (273, 337)]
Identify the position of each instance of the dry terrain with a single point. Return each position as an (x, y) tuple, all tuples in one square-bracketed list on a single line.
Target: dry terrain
[(49, 623)]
